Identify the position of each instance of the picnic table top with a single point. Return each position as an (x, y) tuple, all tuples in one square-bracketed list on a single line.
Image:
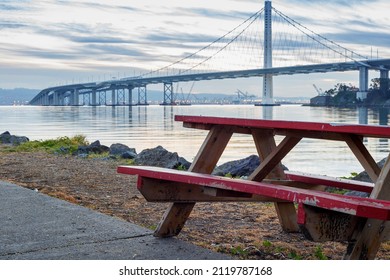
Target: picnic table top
[(375, 131)]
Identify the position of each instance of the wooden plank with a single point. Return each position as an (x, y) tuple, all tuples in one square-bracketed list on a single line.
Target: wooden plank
[(363, 155), (295, 184), (358, 206), (155, 190), (211, 150), (376, 131), (204, 162), (330, 181), (273, 158), (265, 145), (174, 219), (271, 167), (368, 240)]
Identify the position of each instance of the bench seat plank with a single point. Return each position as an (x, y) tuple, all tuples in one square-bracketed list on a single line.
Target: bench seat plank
[(357, 206), (330, 182)]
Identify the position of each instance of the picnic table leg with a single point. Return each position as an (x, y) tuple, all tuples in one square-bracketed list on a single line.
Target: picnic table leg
[(265, 145), (205, 162), (374, 231)]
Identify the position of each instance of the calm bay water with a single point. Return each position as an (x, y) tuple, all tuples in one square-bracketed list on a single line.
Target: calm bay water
[(150, 126)]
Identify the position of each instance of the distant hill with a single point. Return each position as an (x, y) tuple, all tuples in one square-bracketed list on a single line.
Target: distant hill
[(16, 96)]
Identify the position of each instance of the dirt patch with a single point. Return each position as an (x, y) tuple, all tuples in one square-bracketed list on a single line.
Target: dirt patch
[(245, 230)]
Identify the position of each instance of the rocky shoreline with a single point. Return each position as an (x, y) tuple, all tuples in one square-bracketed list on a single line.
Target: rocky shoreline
[(160, 157)]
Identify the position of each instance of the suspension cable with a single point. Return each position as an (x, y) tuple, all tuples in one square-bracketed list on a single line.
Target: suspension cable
[(297, 25), (253, 17)]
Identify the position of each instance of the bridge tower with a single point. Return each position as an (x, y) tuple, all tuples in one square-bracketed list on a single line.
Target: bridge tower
[(268, 95)]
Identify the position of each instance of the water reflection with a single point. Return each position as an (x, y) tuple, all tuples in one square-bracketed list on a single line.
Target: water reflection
[(383, 116), (363, 115), (268, 112), (168, 117), (144, 127)]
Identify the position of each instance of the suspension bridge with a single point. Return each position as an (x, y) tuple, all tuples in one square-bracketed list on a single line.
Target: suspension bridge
[(268, 43)]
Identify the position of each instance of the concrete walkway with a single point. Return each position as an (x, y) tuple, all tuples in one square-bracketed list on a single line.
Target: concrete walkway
[(36, 226)]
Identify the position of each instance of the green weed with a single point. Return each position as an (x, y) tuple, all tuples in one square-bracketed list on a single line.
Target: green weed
[(319, 254), (99, 156), (267, 243), (181, 167), (62, 145), (238, 251), (294, 255)]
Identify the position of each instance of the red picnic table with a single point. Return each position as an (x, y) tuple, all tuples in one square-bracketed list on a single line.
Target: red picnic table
[(301, 200)]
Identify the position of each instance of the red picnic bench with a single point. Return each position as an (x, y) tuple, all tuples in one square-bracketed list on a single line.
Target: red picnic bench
[(320, 215)]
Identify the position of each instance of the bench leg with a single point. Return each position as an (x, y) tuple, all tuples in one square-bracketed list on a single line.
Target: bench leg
[(367, 241), (266, 146), (205, 162), (174, 219)]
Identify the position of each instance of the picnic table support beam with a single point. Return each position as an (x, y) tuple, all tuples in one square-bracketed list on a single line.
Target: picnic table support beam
[(274, 156), (367, 241), (270, 156), (204, 162), (363, 155)]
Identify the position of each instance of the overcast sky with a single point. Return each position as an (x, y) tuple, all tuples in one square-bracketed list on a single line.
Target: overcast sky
[(46, 43)]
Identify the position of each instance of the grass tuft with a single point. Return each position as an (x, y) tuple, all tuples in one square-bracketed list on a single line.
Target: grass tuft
[(61, 145)]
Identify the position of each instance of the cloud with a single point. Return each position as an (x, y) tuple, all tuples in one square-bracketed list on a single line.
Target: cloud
[(11, 6), (11, 25), (164, 37), (362, 38), (109, 50), (346, 3), (215, 13), (152, 34)]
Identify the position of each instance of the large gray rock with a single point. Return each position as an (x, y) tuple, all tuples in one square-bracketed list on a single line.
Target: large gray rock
[(363, 176), (8, 138), (238, 168), (160, 157), (95, 148), (17, 140), (122, 151), (4, 137)]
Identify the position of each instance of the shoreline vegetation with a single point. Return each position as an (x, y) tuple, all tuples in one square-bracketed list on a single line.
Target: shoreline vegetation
[(346, 96), (72, 169)]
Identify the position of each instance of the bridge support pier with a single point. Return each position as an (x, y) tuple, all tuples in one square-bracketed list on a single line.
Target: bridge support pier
[(56, 98), (113, 97), (363, 83), (142, 96), (130, 96), (268, 95), (384, 80), (75, 98), (93, 94), (60, 99), (168, 94), (47, 100)]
